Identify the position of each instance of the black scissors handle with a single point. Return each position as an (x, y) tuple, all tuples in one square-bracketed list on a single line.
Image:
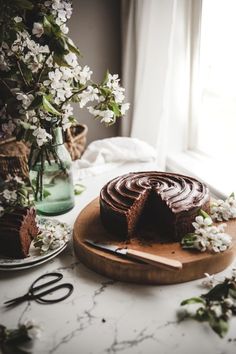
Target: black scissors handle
[(33, 295), (57, 276), (39, 297)]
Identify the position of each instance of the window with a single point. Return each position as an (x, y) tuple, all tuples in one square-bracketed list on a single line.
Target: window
[(217, 80), (210, 144)]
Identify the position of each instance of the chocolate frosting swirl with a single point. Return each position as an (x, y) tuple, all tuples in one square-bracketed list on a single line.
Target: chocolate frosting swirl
[(180, 193)]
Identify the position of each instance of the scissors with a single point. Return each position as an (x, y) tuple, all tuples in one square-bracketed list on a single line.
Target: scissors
[(33, 294)]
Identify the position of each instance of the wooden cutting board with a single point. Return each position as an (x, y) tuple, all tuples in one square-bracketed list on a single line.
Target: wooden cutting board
[(195, 264)]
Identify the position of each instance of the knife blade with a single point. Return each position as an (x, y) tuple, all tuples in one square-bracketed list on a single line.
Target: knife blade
[(149, 258)]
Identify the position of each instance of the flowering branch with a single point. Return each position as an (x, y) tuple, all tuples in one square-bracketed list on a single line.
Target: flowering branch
[(11, 340), (206, 236), (224, 209), (73, 95), (215, 307)]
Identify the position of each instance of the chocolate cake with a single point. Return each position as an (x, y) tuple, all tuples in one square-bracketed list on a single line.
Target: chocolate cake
[(167, 201), (17, 229)]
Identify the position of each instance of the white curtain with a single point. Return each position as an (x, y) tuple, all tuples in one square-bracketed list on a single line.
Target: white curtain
[(155, 68)]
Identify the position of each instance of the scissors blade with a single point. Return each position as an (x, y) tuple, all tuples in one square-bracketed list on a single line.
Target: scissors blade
[(17, 300)]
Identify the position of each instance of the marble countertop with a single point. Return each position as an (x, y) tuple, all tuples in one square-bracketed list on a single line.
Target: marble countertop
[(106, 316)]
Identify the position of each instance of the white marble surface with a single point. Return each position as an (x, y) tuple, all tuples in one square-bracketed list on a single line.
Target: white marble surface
[(105, 316)]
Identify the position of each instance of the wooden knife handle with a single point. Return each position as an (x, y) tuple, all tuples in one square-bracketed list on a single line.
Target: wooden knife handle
[(158, 261)]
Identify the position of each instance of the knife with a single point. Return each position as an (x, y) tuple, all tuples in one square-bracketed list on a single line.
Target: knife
[(149, 258)]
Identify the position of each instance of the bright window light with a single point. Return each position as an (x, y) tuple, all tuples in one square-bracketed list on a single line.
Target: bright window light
[(217, 108)]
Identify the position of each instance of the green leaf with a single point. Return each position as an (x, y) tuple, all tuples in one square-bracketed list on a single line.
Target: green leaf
[(204, 214), (59, 60), (46, 193), (47, 26), (72, 47), (219, 326), (105, 91), (115, 108), (49, 107), (219, 292), (33, 181), (201, 315), (232, 195), (193, 300), (36, 103), (59, 46), (78, 189), (105, 78), (25, 125)]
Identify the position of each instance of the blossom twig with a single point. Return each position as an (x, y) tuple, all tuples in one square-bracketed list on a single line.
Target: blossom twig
[(215, 307), (21, 72)]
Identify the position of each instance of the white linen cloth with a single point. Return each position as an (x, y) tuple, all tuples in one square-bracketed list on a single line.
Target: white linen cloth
[(106, 154)]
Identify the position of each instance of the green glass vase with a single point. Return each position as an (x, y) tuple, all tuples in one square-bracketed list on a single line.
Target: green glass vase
[(51, 176)]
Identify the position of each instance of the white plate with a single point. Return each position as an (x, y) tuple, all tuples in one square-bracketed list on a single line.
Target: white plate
[(35, 264), (34, 253)]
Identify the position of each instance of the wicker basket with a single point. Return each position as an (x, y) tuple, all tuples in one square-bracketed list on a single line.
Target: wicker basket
[(11, 147), (75, 140), (13, 159), (14, 166)]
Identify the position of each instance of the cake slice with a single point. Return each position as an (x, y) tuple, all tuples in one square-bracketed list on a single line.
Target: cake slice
[(17, 229)]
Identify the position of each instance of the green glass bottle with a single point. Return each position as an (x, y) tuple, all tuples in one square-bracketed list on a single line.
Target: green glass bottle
[(51, 177)]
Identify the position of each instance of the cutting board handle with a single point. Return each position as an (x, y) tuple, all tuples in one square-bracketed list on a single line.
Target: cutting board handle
[(158, 261)]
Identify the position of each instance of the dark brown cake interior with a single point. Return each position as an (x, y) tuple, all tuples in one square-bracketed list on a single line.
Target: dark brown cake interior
[(155, 221)]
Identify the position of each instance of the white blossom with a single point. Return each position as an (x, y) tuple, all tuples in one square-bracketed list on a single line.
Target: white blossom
[(64, 29), (124, 107), (10, 196), (85, 75), (113, 81), (41, 136), (207, 237), (68, 112), (61, 9), (93, 111), (224, 209), (229, 302), (17, 179), (217, 310), (53, 234), (26, 99), (201, 222), (107, 116), (88, 95), (38, 29), (119, 95), (71, 59), (8, 127), (34, 330), (18, 19), (209, 281)]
